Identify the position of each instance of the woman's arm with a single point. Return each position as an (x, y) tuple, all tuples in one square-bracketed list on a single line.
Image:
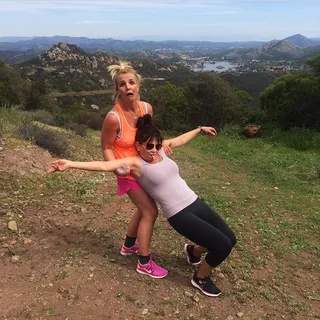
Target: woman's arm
[(186, 137), (62, 164), (109, 132)]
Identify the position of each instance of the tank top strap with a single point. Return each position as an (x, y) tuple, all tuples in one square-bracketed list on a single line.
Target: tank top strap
[(120, 115), (143, 105), (119, 121), (143, 108)]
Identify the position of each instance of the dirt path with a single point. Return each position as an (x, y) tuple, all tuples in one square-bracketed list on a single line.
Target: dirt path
[(79, 93), (63, 260)]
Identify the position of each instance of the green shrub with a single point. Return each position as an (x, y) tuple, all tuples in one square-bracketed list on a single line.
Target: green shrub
[(40, 115), (79, 129), (91, 119), (54, 142)]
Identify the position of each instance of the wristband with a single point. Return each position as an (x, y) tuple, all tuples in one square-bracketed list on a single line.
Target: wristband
[(201, 130)]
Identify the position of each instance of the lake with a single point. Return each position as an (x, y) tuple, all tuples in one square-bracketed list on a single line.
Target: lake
[(218, 66)]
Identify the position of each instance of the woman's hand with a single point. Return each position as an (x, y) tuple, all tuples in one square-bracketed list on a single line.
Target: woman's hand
[(209, 131), (122, 170), (167, 148), (59, 165)]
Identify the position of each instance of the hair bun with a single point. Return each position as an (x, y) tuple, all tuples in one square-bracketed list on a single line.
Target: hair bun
[(144, 121)]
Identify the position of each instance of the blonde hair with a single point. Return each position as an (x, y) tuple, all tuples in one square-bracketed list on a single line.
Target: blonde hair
[(122, 67)]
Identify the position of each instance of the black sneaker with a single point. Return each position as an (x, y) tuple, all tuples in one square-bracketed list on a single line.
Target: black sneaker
[(191, 258), (206, 286)]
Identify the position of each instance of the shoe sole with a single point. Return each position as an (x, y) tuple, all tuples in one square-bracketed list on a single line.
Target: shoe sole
[(203, 291), (187, 254), (127, 254), (150, 275)]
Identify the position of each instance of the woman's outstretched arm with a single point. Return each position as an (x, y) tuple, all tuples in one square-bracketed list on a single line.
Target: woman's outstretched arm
[(63, 164), (186, 137)]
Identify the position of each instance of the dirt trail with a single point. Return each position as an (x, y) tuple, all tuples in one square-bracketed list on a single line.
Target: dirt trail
[(63, 260), (79, 93)]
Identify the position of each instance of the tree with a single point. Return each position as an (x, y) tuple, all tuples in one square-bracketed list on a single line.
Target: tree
[(169, 105), (212, 101), (314, 63), (13, 88), (38, 97), (293, 101)]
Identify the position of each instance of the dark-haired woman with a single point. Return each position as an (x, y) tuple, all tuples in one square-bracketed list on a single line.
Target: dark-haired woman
[(185, 212)]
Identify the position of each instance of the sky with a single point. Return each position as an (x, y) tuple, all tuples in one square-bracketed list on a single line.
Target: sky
[(228, 20)]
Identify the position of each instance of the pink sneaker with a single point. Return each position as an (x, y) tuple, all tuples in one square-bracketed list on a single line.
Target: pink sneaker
[(151, 269), (129, 251)]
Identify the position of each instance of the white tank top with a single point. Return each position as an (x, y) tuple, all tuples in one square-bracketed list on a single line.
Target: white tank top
[(164, 184)]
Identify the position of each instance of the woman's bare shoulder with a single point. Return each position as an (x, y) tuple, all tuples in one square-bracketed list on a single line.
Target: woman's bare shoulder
[(111, 118)]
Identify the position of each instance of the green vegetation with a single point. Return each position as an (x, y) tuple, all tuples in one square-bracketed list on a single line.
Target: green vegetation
[(197, 98), (54, 142), (205, 98), (253, 83), (293, 100), (13, 88)]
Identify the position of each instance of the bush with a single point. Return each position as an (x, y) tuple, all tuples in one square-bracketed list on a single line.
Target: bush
[(54, 142), (293, 101), (95, 121), (91, 119), (42, 116), (79, 129)]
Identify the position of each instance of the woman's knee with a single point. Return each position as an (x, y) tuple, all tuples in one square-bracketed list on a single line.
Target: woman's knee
[(214, 258), (233, 239), (149, 213), (144, 203)]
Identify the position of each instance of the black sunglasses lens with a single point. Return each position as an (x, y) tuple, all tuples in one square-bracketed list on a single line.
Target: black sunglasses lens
[(150, 146)]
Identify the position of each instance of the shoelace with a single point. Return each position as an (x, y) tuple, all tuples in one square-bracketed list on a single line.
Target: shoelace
[(204, 281), (149, 266)]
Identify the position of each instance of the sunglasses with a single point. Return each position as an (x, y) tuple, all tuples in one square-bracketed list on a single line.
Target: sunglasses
[(150, 146)]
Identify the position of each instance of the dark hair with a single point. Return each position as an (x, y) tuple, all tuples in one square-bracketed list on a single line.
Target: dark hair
[(147, 130)]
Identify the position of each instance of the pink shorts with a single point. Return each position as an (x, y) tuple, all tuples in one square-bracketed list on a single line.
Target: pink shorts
[(124, 185)]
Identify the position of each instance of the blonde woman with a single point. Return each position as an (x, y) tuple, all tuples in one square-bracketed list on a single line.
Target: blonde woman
[(118, 142)]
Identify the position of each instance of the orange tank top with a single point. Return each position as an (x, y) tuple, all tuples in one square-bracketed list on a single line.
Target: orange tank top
[(124, 145)]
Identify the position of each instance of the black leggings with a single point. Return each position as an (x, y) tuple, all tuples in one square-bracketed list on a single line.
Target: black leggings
[(202, 225)]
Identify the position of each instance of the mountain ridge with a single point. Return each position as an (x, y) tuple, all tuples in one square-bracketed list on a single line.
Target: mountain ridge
[(66, 67), (114, 44)]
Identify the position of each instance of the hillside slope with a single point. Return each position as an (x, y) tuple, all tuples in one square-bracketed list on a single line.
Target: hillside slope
[(61, 235)]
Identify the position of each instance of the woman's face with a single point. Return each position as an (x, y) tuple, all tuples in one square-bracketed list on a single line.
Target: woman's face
[(149, 150), (127, 86)]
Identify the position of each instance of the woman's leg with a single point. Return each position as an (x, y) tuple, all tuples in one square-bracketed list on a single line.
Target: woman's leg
[(133, 225), (142, 222), (147, 206), (199, 231), (209, 215), (200, 224), (198, 250)]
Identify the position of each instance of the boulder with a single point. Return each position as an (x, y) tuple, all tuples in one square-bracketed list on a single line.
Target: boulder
[(251, 130)]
